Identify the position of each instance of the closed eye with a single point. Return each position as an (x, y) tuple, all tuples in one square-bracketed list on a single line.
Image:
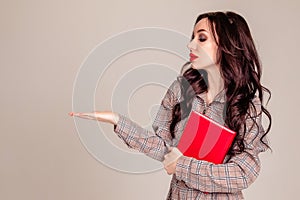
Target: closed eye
[(202, 38)]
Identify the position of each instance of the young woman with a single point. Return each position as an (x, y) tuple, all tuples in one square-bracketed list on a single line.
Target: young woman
[(222, 81)]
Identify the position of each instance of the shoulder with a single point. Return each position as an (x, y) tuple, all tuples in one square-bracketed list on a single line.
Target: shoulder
[(173, 94)]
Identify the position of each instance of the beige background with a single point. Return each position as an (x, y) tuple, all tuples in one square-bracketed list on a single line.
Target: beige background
[(43, 44)]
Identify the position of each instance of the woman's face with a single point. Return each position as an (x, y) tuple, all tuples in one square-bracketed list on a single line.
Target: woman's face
[(203, 48)]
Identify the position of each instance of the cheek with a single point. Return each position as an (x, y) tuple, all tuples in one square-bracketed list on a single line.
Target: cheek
[(214, 56), (213, 53)]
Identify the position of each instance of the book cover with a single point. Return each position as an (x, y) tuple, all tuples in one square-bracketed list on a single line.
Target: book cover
[(205, 139)]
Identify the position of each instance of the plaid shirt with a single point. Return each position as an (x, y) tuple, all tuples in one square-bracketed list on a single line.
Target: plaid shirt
[(197, 179)]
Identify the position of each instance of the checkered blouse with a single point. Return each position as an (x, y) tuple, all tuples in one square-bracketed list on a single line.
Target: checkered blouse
[(197, 179)]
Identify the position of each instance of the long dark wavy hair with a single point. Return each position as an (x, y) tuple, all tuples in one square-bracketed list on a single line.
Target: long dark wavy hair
[(241, 70)]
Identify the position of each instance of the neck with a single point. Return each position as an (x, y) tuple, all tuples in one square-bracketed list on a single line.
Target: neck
[(215, 83)]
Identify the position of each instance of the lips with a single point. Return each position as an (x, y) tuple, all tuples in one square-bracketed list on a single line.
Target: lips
[(192, 57)]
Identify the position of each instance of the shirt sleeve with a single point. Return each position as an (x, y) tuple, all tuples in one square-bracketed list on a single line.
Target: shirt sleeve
[(153, 144), (233, 176)]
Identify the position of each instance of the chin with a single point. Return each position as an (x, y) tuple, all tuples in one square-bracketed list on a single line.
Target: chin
[(197, 66), (204, 66)]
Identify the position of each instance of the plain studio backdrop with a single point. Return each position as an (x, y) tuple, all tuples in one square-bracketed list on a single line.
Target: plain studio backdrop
[(43, 45)]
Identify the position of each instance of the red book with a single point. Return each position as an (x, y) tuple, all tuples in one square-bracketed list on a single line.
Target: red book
[(205, 139)]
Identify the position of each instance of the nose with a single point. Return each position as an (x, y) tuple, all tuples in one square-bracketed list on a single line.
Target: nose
[(191, 45)]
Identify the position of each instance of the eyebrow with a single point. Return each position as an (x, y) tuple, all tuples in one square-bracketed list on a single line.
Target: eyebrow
[(200, 30)]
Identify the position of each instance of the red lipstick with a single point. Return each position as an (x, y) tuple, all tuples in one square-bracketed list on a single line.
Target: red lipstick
[(193, 57)]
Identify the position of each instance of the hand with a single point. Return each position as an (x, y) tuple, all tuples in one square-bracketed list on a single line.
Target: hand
[(105, 116), (171, 159)]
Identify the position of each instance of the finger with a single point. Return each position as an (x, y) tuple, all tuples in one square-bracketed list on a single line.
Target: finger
[(83, 116), (87, 115), (166, 162), (166, 156), (75, 114), (168, 171)]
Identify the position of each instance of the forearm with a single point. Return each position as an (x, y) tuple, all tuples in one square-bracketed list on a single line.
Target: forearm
[(140, 139), (230, 177)]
